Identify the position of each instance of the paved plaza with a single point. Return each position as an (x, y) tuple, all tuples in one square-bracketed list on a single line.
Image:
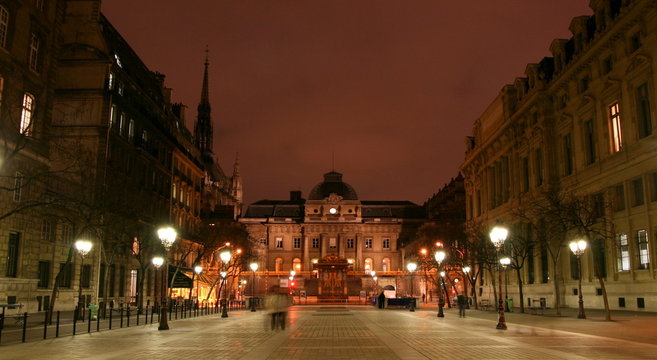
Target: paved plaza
[(360, 332)]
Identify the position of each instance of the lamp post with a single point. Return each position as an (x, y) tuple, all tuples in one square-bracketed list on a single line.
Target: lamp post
[(578, 247), (225, 256), (506, 261), (83, 247), (411, 267), (254, 268), (497, 237), (440, 256), (157, 262), (466, 273), (198, 269), (167, 236)]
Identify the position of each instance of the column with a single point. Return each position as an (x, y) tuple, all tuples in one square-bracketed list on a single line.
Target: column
[(359, 251), (323, 244), (341, 245)]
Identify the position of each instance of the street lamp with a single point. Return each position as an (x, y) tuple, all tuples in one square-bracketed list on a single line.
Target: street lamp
[(83, 247), (225, 256), (466, 272), (578, 247), (411, 267), (198, 269), (506, 261), (157, 262), (254, 268), (497, 237), (167, 236), (440, 256)]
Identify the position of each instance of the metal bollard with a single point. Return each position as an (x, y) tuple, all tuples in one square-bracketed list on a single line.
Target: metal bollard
[(89, 323), (121, 316), (152, 311), (127, 313), (98, 323), (110, 319), (75, 320)]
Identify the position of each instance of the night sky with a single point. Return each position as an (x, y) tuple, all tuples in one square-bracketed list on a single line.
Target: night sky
[(391, 87)]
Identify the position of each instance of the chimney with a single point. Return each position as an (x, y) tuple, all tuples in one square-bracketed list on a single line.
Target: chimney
[(295, 195)]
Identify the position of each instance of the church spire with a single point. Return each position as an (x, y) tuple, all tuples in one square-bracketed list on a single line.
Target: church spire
[(236, 183), (203, 126)]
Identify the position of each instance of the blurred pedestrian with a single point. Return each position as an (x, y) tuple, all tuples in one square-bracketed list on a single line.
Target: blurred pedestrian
[(462, 302)]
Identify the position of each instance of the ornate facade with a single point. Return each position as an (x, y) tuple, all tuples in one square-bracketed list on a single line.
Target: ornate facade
[(582, 122), (297, 234)]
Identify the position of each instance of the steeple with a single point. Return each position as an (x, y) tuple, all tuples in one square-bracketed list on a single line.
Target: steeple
[(236, 181), (203, 126)]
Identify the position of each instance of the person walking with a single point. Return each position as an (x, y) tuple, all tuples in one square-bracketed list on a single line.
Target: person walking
[(462, 302)]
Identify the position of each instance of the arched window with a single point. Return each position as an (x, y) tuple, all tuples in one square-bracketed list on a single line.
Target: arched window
[(26, 114), (385, 264), (296, 264), (369, 265), (279, 264)]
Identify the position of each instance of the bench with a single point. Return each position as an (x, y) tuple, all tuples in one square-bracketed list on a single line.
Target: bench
[(538, 306), (484, 304)]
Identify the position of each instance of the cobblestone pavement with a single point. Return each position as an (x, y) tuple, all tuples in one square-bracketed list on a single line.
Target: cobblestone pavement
[(357, 332)]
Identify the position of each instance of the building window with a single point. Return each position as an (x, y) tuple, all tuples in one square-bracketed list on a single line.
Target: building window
[(44, 274), (12, 254), (121, 123), (589, 142), (385, 265), (40, 4), (18, 186), (110, 81), (27, 114), (315, 243), (574, 267), (264, 241), (122, 281), (35, 42), (642, 245), (538, 162), (279, 242), (368, 243), (350, 243), (134, 275), (297, 243), (531, 274), (643, 111), (131, 130), (333, 243), (112, 280), (67, 233), (598, 202), (386, 243), (4, 23), (545, 267), (279, 264), (296, 264), (86, 276), (637, 192), (616, 130), (67, 273), (600, 259), (619, 197), (567, 155), (46, 230), (368, 265)]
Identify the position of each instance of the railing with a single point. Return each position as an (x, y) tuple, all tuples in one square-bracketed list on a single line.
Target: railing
[(36, 326)]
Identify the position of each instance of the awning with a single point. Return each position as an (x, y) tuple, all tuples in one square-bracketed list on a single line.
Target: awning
[(181, 280)]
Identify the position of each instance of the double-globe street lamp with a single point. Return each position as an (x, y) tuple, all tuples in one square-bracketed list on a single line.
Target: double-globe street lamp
[(225, 256), (83, 247), (198, 269), (411, 267), (506, 261), (167, 236), (497, 237), (254, 268), (578, 247), (440, 256)]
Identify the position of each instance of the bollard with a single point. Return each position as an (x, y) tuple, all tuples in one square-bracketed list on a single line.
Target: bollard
[(45, 326), (89, 323), (138, 311), (57, 325), (127, 313), (98, 323), (152, 311), (75, 319), (24, 325), (2, 323), (121, 317), (110, 319)]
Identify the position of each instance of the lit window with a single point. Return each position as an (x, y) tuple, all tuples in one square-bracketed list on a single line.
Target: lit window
[(297, 243), (34, 52), (131, 130), (110, 81), (174, 192), (296, 264), (18, 185), (368, 243), (40, 4), (385, 266), (122, 123), (279, 264), (615, 128), (642, 244), (27, 114), (623, 252), (350, 243), (46, 230), (369, 265), (112, 115), (279, 242), (386, 243), (4, 21), (118, 60)]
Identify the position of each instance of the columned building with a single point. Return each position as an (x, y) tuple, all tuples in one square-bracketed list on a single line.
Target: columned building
[(332, 226), (579, 124)]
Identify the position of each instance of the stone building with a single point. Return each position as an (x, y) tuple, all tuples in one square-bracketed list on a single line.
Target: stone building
[(333, 225), (580, 122), (28, 39)]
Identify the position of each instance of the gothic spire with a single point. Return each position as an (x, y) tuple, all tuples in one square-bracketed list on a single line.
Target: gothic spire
[(203, 126)]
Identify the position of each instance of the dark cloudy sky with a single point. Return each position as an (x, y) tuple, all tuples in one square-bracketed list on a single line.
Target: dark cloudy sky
[(391, 87)]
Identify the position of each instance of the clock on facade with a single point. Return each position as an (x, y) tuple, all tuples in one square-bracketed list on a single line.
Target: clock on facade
[(333, 210)]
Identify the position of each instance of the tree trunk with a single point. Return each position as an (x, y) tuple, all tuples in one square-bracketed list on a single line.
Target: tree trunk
[(140, 288), (55, 287), (557, 295), (520, 291), (605, 299)]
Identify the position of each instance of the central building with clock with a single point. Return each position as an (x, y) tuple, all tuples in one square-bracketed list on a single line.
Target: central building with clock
[(332, 240)]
